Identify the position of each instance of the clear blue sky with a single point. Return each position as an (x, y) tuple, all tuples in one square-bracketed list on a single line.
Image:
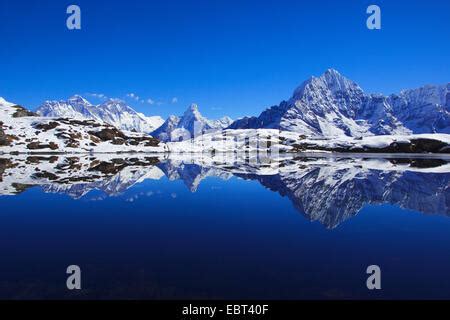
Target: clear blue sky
[(231, 57)]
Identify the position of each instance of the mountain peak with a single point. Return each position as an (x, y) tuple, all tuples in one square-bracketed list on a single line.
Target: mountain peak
[(332, 105), (331, 80), (337, 82), (332, 72), (192, 112), (77, 99)]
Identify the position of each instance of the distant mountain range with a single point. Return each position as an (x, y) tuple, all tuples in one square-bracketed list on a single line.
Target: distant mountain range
[(117, 113), (327, 106), (24, 131), (332, 105), (112, 111)]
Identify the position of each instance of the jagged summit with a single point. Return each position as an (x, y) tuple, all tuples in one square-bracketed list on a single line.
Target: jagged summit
[(337, 82), (193, 107), (331, 80), (190, 124), (78, 98), (192, 112)]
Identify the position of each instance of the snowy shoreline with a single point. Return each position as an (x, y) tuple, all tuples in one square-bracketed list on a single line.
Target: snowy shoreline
[(309, 153)]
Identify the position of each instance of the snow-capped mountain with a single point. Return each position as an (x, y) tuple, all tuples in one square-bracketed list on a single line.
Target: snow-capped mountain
[(112, 111), (75, 107), (329, 106), (23, 131), (424, 110), (190, 124), (332, 105)]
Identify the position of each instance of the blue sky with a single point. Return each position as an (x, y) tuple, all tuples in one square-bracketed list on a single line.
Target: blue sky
[(231, 57)]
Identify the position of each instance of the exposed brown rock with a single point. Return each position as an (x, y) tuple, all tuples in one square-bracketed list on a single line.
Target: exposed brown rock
[(118, 141), (6, 139), (418, 145), (151, 142), (4, 164), (22, 112), (71, 163), (107, 167), (94, 139), (427, 145), (72, 143), (46, 126), (148, 141), (37, 146), (45, 175), (118, 161), (3, 138), (133, 142), (38, 159), (85, 123), (118, 137), (108, 134), (20, 187), (116, 165)]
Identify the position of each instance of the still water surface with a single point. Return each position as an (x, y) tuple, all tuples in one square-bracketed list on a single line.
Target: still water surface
[(183, 227)]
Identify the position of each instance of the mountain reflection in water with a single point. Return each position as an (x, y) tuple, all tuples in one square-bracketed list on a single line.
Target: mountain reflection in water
[(325, 188)]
